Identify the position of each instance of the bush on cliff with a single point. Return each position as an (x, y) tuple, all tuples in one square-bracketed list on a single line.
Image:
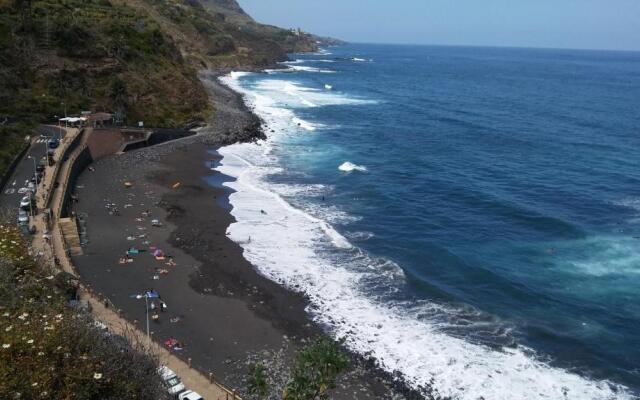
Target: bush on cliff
[(314, 374), (49, 350)]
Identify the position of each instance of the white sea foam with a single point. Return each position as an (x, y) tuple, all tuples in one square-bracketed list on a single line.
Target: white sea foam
[(290, 246), (304, 124), (302, 61), (291, 190), (348, 166), (629, 202), (632, 203), (608, 256), (302, 68), (287, 93)]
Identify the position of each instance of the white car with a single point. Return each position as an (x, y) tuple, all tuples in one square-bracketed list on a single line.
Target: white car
[(189, 395), (25, 202), (171, 380), (23, 217)]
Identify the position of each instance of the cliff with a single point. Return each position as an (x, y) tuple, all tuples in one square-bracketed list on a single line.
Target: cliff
[(139, 57)]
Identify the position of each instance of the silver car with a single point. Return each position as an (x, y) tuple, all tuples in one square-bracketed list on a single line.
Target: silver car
[(23, 217)]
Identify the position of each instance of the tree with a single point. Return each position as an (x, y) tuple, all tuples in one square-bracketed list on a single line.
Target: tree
[(257, 383), (317, 367)]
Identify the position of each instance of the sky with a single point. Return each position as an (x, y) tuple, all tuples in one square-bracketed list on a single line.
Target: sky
[(577, 24)]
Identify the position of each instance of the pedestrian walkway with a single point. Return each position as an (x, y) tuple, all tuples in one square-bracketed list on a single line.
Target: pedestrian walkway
[(52, 246)]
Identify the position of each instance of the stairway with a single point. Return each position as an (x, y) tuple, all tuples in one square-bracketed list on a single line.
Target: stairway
[(71, 237)]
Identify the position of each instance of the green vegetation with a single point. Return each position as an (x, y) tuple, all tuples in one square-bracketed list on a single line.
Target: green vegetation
[(11, 142), (316, 370), (66, 55), (136, 57), (257, 385), (317, 367), (49, 350)]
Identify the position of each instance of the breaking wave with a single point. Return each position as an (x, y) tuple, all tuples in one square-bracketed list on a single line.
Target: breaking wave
[(295, 247)]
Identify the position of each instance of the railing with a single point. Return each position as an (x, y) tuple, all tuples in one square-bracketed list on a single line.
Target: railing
[(59, 162)]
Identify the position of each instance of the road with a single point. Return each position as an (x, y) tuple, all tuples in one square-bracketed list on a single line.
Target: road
[(10, 198)]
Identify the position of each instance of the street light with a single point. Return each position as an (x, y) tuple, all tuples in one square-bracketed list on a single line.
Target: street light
[(35, 169), (146, 309), (149, 294)]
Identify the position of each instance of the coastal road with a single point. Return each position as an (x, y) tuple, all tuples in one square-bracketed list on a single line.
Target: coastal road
[(10, 198)]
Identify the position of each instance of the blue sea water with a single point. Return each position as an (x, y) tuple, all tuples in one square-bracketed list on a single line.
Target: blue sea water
[(469, 217)]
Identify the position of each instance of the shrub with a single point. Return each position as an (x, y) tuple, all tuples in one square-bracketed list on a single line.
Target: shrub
[(49, 350), (257, 383)]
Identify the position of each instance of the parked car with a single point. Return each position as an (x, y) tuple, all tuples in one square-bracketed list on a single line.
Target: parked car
[(23, 217), (25, 203), (189, 395), (41, 167), (53, 143), (172, 382)]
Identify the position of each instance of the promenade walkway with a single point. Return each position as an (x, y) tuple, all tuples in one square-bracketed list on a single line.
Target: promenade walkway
[(52, 246)]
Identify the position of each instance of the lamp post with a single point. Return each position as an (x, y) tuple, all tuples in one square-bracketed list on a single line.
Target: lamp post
[(146, 308), (35, 169), (150, 294)]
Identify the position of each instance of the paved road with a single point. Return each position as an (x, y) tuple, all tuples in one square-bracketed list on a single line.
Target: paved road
[(10, 198)]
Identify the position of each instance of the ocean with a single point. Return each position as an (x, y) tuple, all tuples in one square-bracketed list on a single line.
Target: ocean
[(467, 217)]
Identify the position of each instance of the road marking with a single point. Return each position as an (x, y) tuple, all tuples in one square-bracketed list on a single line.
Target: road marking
[(9, 191)]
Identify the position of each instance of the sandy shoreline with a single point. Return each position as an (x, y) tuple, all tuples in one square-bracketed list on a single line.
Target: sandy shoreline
[(225, 313)]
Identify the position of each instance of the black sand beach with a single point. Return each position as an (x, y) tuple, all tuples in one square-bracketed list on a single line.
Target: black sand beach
[(226, 315)]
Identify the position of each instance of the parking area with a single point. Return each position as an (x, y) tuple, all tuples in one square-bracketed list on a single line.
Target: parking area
[(13, 192)]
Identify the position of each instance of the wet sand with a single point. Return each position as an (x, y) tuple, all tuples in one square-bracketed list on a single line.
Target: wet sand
[(226, 315)]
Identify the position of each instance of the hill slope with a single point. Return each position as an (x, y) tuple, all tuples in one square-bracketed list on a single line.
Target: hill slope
[(137, 56)]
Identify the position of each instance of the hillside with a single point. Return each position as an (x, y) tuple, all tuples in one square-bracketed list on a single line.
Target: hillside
[(54, 350), (136, 57)]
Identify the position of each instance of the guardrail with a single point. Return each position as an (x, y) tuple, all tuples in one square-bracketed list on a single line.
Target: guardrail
[(59, 162)]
